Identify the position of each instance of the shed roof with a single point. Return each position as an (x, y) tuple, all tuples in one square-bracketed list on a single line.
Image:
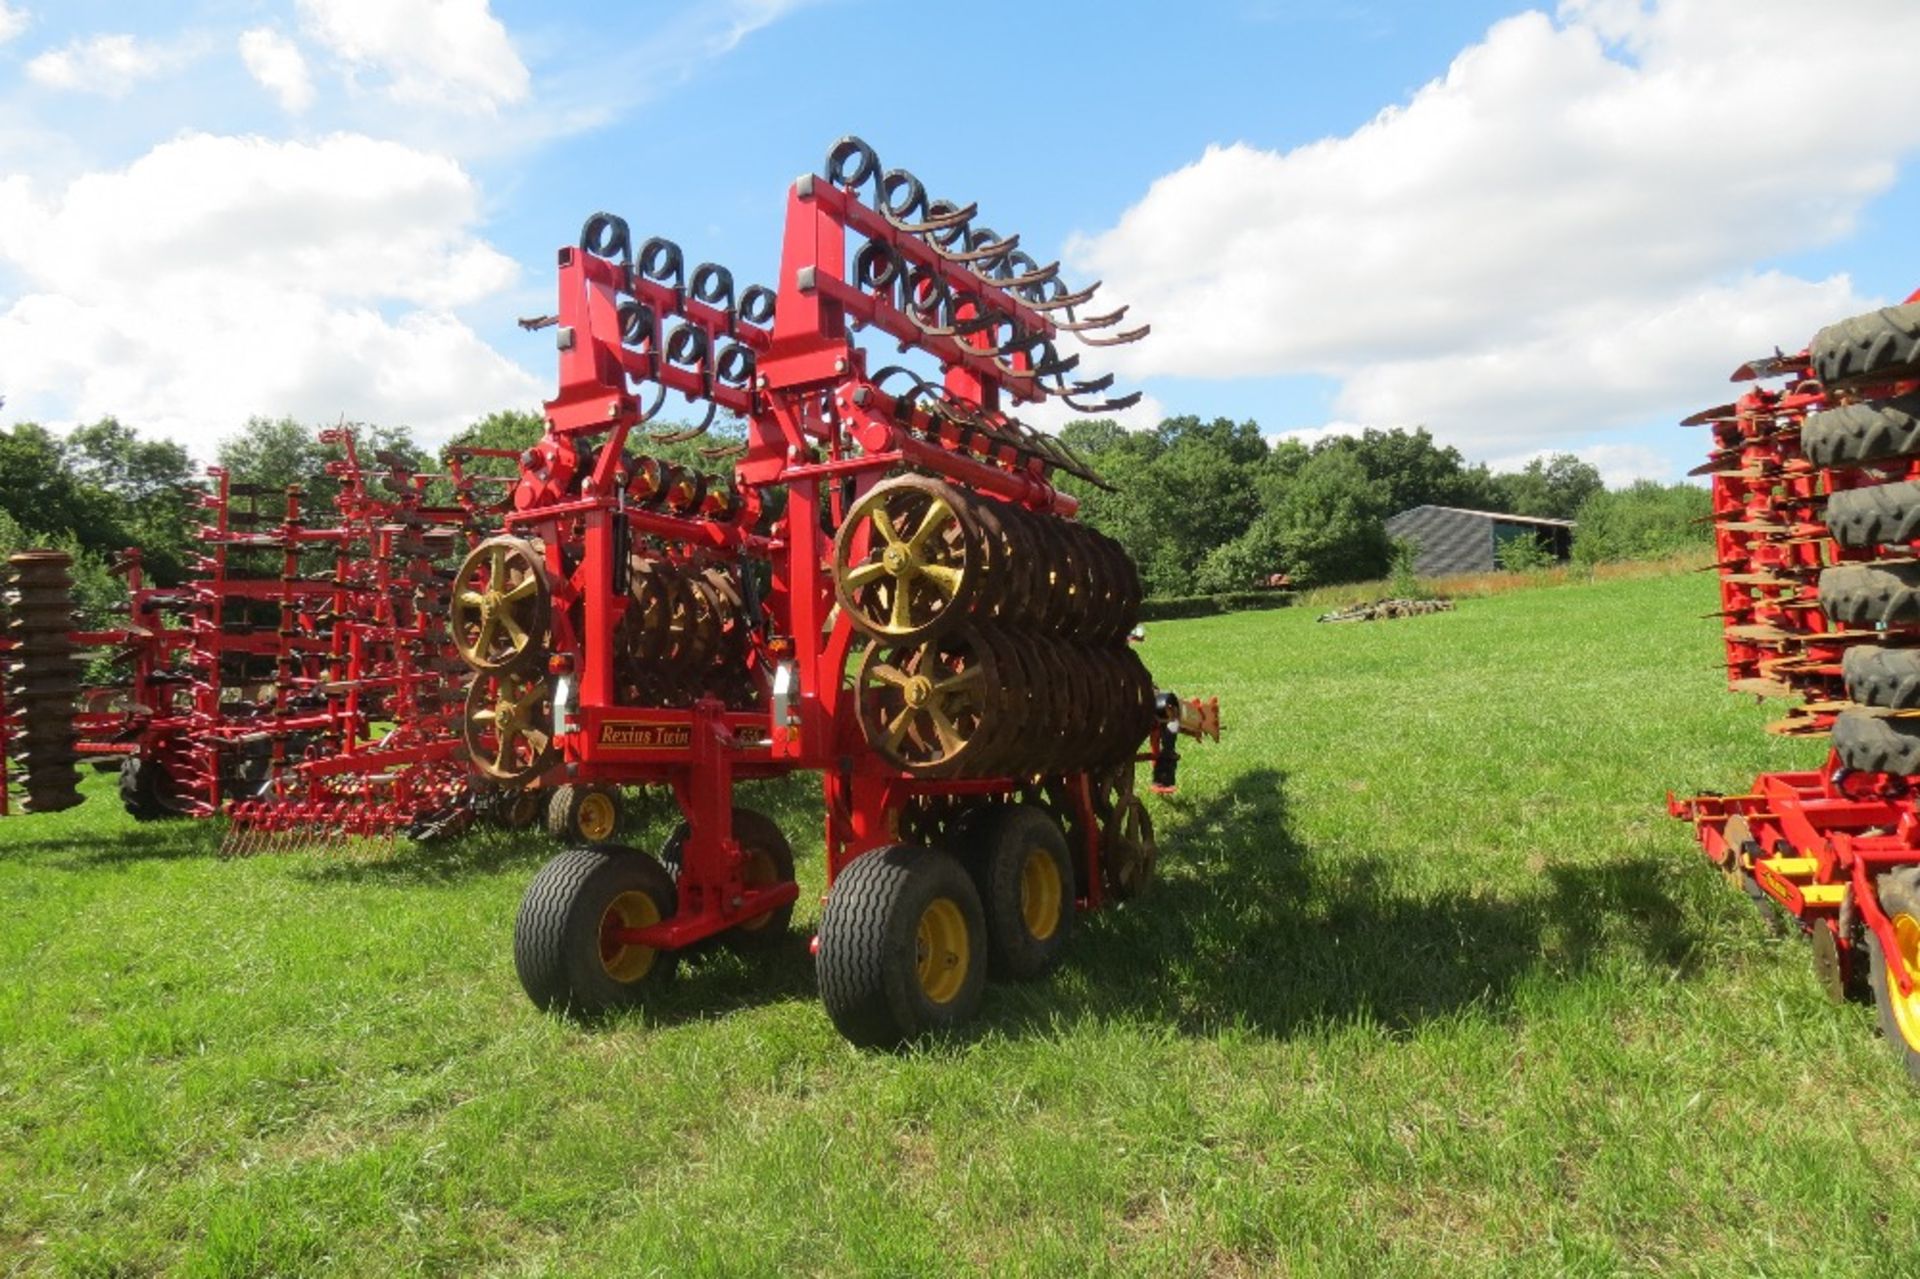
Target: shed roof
[(1493, 515)]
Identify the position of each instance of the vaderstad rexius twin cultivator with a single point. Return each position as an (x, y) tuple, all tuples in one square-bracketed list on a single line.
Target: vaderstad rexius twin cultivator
[(921, 622), (1816, 501)]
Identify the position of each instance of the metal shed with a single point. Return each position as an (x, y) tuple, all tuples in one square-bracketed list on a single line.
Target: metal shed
[(1452, 540)]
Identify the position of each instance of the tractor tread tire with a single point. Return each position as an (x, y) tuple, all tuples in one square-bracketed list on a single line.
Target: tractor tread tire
[(1871, 594), (1874, 346), (1877, 515), (1884, 677), (137, 795), (751, 829), (867, 941), (1899, 893), (1857, 434), (548, 930), (996, 844), (1869, 744)]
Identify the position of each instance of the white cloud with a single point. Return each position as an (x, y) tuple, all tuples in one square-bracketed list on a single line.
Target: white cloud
[(451, 54), (1559, 235), (1618, 464), (261, 277), (12, 21), (109, 65), (278, 65)]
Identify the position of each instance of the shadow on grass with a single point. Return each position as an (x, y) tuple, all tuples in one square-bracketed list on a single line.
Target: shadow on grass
[(1250, 929), (161, 841)]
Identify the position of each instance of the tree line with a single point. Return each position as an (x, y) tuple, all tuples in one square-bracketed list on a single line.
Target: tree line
[(1203, 506)]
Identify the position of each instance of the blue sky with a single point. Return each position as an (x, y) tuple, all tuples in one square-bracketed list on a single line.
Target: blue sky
[(1529, 228)]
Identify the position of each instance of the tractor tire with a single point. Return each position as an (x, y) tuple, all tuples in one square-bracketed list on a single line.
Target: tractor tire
[(139, 780), (769, 862), (1018, 858), (584, 814), (1856, 434), (1871, 594), (1878, 515), (1872, 347), (903, 947), (561, 950), (1884, 677), (1899, 893), (1868, 744)]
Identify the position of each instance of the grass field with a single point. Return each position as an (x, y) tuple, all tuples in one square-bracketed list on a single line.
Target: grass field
[(1430, 985)]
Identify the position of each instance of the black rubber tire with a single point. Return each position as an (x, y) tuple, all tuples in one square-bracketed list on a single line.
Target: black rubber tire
[(138, 779), (1871, 594), (1869, 744), (994, 848), (1884, 677), (556, 935), (1899, 893), (1877, 515), (565, 808), (1875, 346), (1855, 434), (868, 939), (758, 836)]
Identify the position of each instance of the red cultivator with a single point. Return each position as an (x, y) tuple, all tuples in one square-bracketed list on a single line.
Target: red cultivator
[(888, 589), (299, 682), (1817, 524)]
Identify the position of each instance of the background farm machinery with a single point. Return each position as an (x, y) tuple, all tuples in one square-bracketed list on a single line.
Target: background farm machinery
[(1816, 501), (299, 681), (888, 589)]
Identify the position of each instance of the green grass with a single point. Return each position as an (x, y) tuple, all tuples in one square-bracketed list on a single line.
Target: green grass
[(1431, 984)]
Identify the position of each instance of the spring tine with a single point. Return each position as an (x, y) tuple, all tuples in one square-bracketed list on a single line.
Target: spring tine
[(1091, 387), (937, 221), (717, 451), (1056, 365), (1118, 339), (1107, 406), (997, 249), (1032, 279), (678, 437), (1065, 299), (1077, 325)]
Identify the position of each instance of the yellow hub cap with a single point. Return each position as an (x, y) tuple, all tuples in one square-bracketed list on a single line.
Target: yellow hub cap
[(1040, 894), (596, 817), (625, 962), (942, 952), (1906, 1008)]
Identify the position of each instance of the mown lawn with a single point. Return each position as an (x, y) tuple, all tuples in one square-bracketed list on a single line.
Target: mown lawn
[(1431, 984)]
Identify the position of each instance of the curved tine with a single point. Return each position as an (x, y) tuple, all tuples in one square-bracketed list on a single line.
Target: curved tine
[(1073, 324), (1065, 299), (1055, 365), (942, 215), (1106, 406), (996, 249), (1033, 279), (987, 317), (692, 432), (1118, 339), (1091, 387), (650, 411), (717, 451)]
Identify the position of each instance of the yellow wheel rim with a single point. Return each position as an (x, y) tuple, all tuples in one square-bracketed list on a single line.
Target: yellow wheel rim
[(1040, 894), (759, 872), (1906, 1008), (942, 951), (622, 961), (596, 817)]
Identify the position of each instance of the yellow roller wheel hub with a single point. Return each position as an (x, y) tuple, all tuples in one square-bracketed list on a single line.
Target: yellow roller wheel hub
[(1906, 1008), (623, 961), (942, 951), (1040, 893), (596, 817)]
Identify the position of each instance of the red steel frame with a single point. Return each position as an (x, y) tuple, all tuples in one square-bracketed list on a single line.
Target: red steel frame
[(815, 424)]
